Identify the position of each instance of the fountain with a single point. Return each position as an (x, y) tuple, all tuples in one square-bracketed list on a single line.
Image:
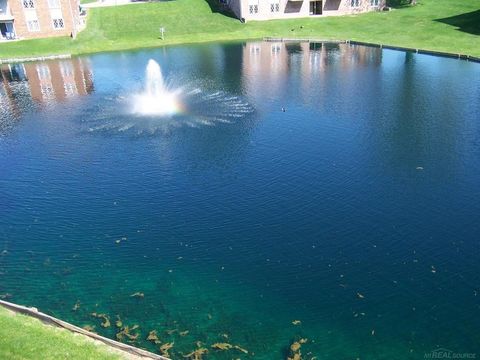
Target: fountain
[(160, 107), (156, 99)]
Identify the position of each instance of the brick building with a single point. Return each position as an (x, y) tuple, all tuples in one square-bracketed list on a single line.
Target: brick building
[(28, 19), (283, 9)]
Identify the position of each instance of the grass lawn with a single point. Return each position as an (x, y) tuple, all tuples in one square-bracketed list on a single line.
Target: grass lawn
[(22, 337), (442, 25)]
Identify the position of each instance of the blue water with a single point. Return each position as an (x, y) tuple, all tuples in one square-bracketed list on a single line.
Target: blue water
[(356, 211)]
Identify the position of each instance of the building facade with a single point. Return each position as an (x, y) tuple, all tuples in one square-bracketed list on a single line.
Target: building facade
[(247, 10), (29, 19)]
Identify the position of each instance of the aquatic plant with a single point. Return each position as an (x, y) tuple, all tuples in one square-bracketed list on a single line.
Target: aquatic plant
[(222, 346), (106, 320), (118, 322), (165, 348), (196, 354), (125, 332), (295, 353), (152, 336)]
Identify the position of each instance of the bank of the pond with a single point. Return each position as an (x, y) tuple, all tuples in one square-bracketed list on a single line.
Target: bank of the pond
[(434, 25), (26, 333)]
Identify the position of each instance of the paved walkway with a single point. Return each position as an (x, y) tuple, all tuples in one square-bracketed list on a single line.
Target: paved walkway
[(106, 3)]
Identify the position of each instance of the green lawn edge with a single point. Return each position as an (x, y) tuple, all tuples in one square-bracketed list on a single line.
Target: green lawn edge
[(24, 338), (437, 25)]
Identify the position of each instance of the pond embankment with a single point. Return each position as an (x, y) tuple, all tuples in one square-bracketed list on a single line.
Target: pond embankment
[(105, 345)]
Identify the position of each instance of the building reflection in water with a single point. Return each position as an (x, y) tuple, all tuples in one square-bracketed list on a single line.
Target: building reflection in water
[(43, 82), (267, 65)]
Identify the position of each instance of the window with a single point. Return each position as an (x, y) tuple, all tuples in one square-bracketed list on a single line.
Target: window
[(254, 49), (54, 4), (58, 24), (66, 68), (28, 4), (70, 89), (253, 6), (33, 25), (57, 18), (354, 3), (31, 18), (43, 72), (275, 49), (47, 91), (373, 2), (275, 6)]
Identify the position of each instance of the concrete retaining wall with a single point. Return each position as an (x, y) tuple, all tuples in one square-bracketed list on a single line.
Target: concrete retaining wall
[(50, 320)]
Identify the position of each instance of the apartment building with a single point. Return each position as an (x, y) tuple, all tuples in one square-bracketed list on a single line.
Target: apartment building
[(29, 19), (247, 10)]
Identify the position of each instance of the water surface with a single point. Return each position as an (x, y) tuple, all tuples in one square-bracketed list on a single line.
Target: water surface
[(354, 213)]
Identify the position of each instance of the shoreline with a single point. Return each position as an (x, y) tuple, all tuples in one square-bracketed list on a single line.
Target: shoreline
[(453, 55), (115, 346)]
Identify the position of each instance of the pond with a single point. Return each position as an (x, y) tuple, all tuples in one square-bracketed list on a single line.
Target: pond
[(313, 193)]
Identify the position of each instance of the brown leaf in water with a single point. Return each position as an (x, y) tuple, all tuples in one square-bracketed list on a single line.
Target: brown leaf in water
[(165, 347), (106, 322), (196, 354), (222, 346), (152, 336), (295, 346)]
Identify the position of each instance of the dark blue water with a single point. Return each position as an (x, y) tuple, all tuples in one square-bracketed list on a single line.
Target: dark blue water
[(354, 213)]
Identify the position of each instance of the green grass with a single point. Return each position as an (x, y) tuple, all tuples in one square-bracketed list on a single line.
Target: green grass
[(22, 338), (442, 25)]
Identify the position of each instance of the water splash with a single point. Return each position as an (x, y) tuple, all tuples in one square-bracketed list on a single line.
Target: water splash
[(156, 99), (162, 107)]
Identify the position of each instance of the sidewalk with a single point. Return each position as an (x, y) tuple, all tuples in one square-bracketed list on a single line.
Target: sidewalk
[(106, 3)]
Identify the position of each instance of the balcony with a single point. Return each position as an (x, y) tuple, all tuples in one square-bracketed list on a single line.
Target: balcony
[(5, 17), (6, 22)]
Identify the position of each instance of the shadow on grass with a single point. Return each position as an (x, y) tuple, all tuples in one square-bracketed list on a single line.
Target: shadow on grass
[(398, 4), (220, 7), (468, 22)]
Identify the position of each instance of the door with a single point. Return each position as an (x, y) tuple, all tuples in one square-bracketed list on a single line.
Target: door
[(3, 29), (315, 7)]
